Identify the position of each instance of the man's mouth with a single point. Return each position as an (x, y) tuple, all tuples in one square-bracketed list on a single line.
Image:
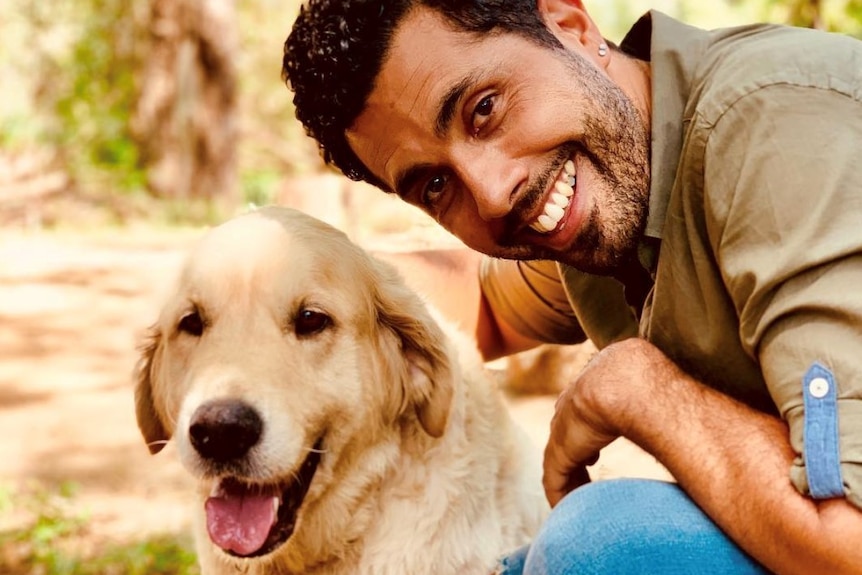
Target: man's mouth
[(558, 200), (249, 519)]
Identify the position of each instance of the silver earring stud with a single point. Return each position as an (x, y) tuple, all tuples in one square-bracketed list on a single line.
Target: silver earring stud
[(603, 50)]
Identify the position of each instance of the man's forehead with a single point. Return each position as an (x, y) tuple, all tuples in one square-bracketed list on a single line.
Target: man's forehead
[(430, 67), (402, 108), (423, 40), (428, 58)]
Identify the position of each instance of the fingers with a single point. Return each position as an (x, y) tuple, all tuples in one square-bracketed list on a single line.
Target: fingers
[(563, 469), (574, 443), (558, 483)]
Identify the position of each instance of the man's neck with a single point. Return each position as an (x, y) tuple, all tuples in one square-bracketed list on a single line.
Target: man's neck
[(634, 78)]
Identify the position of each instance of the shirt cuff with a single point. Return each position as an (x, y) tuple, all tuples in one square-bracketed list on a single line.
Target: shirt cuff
[(820, 434)]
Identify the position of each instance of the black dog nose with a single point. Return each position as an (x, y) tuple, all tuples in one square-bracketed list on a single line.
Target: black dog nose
[(225, 429)]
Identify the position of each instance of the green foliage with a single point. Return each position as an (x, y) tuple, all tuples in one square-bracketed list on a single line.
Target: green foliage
[(843, 16), (278, 144), (72, 79), (93, 94), (51, 523), (852, 17), (49, 541), (190, 212), (160, 556), (259, 187)]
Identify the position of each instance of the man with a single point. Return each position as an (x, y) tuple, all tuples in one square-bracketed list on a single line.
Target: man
[(699, 189)]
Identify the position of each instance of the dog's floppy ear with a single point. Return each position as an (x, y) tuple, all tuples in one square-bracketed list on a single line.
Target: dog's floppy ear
[(426, 372), (149, 422)]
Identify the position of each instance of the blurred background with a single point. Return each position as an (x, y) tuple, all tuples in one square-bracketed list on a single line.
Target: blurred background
[(125, 128)]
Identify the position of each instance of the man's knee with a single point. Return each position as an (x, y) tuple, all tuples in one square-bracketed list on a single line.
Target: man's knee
[(587, 531), (629, 525)]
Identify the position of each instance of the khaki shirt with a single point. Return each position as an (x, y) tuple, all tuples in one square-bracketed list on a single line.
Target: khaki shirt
[(753, 240)]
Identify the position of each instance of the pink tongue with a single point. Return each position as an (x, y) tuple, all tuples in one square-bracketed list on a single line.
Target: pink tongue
[(240, 522)]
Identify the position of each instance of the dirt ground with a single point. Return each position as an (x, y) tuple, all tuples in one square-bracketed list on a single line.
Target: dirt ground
[(71, 308)]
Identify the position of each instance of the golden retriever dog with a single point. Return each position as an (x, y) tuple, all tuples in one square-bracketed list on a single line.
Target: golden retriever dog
[(330, 423)]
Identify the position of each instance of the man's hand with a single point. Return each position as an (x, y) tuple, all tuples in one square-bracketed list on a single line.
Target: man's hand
[(732, 460), (593, 411)]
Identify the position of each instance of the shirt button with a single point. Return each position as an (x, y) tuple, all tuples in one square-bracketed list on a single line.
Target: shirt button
[(818, 387)]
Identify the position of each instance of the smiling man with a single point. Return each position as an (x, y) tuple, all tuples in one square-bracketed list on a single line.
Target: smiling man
[(689, 200), (507, 149)]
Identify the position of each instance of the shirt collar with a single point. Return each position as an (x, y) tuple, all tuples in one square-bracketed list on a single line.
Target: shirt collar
[(674, 50)]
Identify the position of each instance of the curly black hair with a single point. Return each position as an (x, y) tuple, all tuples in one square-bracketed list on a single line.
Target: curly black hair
[(337, 47)]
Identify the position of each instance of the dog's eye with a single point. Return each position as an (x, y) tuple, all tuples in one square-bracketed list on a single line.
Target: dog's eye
[(309, 322), (192, 324)]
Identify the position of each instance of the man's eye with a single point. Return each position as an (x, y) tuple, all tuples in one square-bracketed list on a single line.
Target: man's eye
[(482, 112), (433, 190)]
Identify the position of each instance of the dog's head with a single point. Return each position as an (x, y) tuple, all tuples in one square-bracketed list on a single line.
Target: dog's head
[(283, 347)]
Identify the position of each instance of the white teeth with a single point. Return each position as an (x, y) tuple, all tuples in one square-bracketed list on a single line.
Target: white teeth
[(556, 206), (216, 490), (560, 200), (546, 223), (538, 227), (554, 211), (564, 189), (571, 172), (275, 504)]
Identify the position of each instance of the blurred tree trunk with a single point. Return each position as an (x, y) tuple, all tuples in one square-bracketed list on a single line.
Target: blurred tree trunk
[(186, 116), (807, 13)]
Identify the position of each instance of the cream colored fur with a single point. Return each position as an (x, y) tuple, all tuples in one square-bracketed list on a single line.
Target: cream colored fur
[(423, 472)]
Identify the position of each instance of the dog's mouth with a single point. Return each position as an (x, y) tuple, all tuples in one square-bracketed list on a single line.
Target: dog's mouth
[(251, 520)]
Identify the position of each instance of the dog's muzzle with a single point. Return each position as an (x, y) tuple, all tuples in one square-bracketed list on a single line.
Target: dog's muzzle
[(246, 517)]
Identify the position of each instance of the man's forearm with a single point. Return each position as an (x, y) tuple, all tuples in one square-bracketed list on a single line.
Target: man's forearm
[(734, 462)]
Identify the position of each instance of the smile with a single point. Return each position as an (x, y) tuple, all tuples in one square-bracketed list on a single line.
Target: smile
[(251, 520), (559, 199)]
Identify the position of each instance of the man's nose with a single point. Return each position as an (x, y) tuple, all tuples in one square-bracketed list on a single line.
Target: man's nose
[(492, 180)]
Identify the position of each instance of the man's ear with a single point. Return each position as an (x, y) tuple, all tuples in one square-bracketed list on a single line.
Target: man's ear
[(569, 21)]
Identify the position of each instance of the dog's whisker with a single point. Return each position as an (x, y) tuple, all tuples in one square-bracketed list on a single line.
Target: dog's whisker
[(158, 442)]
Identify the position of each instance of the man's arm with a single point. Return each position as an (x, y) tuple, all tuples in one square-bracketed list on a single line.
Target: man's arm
[(449, 279), (732, 460)]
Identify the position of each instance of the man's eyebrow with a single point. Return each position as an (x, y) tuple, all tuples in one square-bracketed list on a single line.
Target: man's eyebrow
[(405, 180), (446, 109)]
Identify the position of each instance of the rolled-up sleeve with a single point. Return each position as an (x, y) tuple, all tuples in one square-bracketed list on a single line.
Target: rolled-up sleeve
[(529, 296), (788, 238)]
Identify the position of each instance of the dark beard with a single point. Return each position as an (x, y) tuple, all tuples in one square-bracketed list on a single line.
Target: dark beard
[(614, 229), (616, 141)]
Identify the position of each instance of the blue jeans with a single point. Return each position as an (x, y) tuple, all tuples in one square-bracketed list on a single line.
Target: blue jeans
[(629, 526)]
